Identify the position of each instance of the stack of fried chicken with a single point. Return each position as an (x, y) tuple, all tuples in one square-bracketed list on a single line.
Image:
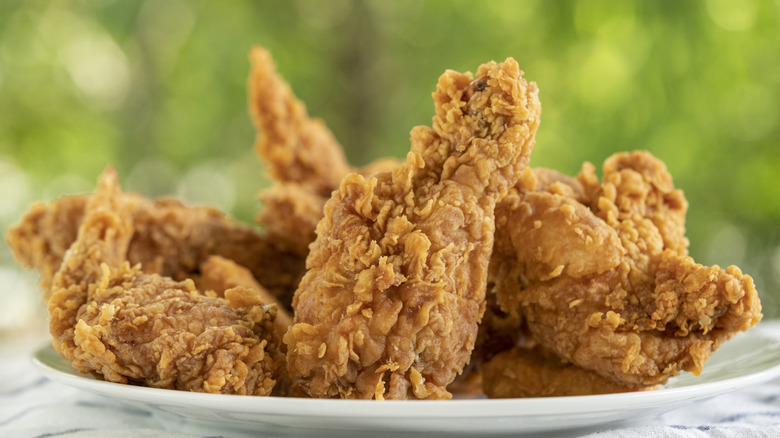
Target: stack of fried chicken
[(457, 269)]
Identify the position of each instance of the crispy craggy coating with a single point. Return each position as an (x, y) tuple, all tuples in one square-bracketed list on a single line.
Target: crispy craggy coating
[(44, 234), (291, 211), (638, 181), (170, 238), (500, 331), (512, 364), (607, 284), (302, 154), (110, 318), (396, 277), (290, 214), (296, 147)]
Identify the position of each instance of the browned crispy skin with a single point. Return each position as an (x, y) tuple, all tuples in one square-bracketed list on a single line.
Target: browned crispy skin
[(110, 318), (396, 277), (44, 234), (290, 214), (296, 147), (512, 364), (170, 238), (521, 372), (219, 274), (290, 211), (302, 154), (607, 284)]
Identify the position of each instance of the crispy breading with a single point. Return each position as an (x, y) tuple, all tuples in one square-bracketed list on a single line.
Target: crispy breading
[(110, 318), (521, 372), (296, 148), (170, 238), (607, 284), (219, 275), (396, 278)]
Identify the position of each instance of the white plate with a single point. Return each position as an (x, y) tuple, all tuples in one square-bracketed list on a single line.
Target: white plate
[(748, 359)]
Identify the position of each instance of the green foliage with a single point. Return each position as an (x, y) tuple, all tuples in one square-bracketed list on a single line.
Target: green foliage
[(158, 88)]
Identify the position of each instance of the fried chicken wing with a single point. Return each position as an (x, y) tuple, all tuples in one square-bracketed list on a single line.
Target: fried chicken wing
[(170, 238), (296, 147), (396, 278), (512, 364), (110, 318), (302, 154), (606, 283), (44, 234)]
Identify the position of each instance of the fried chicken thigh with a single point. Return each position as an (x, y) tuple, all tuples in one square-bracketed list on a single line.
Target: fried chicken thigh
[(110, 318), (389, 306), (605, 281)]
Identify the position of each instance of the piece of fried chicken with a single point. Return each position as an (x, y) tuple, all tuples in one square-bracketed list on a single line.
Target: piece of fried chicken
[(511, 364), (303, 157), (110, 318), (297, 148), (600, 272), (219, 275), (170, 238), (389, 306), (535, 372)]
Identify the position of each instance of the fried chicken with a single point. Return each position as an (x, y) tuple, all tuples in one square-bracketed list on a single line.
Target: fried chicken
[(302, 154), (389, 306), (290, 214), (602, 276), (44, 234), (535, 372), (110, 318), (219, 275), (170, 238), (296, 147), (512, 364)]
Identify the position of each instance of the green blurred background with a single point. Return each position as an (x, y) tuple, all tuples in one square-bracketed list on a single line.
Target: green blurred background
[(158, 89)]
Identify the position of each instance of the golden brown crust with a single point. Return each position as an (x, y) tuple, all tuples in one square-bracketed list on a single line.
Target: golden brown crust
[(396, 278), (110, 318), (219, 275), (521, 372), (607, 285), (296, 147), (170, 238), (290, 214)]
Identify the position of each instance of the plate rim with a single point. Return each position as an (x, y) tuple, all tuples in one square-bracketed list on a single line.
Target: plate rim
[(486, 408)]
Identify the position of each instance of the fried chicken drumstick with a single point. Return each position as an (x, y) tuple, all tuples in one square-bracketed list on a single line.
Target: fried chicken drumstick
[(389, 306), (110, 318), (605, 282)]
